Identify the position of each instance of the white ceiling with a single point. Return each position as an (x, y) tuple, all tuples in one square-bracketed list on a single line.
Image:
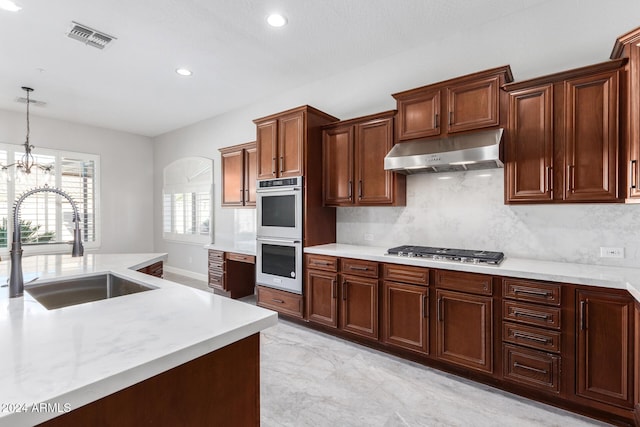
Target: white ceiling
[(235, 57)]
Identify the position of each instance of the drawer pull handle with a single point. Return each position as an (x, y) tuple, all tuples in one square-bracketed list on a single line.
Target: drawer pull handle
[(528, 291), (530, 368), (354, 267), (531, 337), (279, 301), (518, 313), (321, 263)]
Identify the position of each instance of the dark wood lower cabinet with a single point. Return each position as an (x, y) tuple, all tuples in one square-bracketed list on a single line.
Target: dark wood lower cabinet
[(321, 293), (572, 346), (405, 314), (221, 388), (465, 330), (604, 348), (156, 269), (359, 306)]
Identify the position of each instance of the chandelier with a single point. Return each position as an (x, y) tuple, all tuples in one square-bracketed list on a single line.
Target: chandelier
[(27, 162)]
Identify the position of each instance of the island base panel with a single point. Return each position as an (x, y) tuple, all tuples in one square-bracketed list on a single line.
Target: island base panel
[(219, 388)]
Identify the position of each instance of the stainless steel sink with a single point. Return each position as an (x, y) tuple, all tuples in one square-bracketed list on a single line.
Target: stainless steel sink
[(64, 293)]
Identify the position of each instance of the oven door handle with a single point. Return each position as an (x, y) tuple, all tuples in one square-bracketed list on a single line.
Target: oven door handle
[(277, 240), (284, 190)]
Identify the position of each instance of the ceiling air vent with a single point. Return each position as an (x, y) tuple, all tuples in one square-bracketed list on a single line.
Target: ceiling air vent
[(89, 36)]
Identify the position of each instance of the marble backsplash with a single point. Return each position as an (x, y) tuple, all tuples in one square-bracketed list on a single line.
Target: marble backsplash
[(467, 210)]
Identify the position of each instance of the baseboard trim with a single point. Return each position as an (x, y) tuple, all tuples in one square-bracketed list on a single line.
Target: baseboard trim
[(186, 273)]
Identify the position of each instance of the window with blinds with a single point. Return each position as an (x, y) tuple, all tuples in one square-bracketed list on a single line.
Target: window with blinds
[(186, 199), (46, 218)]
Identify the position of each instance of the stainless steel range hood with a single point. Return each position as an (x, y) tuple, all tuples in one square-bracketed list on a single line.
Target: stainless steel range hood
[(472, 151)]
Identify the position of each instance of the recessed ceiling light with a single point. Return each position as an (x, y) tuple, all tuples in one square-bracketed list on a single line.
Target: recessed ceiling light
[(9, 5), (183, 72), (276, 20)]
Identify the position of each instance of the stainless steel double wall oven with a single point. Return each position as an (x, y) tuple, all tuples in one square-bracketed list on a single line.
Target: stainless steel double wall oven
[(279, 233)]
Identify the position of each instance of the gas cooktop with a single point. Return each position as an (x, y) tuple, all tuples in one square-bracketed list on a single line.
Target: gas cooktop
[(448, 254)]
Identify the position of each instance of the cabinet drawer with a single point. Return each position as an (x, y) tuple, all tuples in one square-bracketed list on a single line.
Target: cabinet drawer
[(466, 282), (405, 274), (531, 314), (216, 255), (359, 267), (232, 256), (322, 262), (538, 338), (531, 367), (523, 290), (216, 281), (280, 301)]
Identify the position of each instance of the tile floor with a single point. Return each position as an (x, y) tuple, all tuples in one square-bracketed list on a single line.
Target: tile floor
[(313, 379)]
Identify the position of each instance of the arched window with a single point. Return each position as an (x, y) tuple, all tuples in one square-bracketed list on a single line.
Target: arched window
[(187, 200)]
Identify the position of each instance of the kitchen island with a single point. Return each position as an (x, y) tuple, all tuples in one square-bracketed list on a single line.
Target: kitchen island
[(169, 352)]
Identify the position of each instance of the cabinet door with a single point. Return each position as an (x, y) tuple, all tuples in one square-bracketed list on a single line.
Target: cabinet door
[(337, 166), (290, 143), (405, 315), (232, 178), (591, 133), (529, 145), (267, 146), (321, 292), (465, 330), (419, 115), (374, 139), (633, 122), (250, 172), (359, 306), (473, 105), (605, 351)]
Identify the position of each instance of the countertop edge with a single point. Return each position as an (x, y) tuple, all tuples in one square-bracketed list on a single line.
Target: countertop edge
[(573, 273)]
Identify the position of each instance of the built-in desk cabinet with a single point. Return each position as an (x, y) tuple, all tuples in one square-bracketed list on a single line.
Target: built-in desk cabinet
[(231, 274), (562, 143)]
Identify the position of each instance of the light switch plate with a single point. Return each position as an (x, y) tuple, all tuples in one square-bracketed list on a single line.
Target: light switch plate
[(609, 252)]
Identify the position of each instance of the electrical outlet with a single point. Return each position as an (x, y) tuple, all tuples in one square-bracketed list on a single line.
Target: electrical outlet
[(611, 252), (368, 237)]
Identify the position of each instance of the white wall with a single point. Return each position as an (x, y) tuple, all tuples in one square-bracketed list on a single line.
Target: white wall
[(551, 37), (126, 173)]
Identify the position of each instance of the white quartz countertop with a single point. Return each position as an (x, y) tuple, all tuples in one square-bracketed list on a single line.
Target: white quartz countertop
[(75, 355), (581, 274), (245, 247)]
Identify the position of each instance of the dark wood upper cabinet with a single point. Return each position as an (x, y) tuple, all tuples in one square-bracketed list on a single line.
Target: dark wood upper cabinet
[(285, 139), (529, 151), (473, 105), (604, 354), (465, 103), (628, 46), (591, 131), (267, 149), (420, 116), (353, 163), (337, 161), (238, 165), (562, 141)]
